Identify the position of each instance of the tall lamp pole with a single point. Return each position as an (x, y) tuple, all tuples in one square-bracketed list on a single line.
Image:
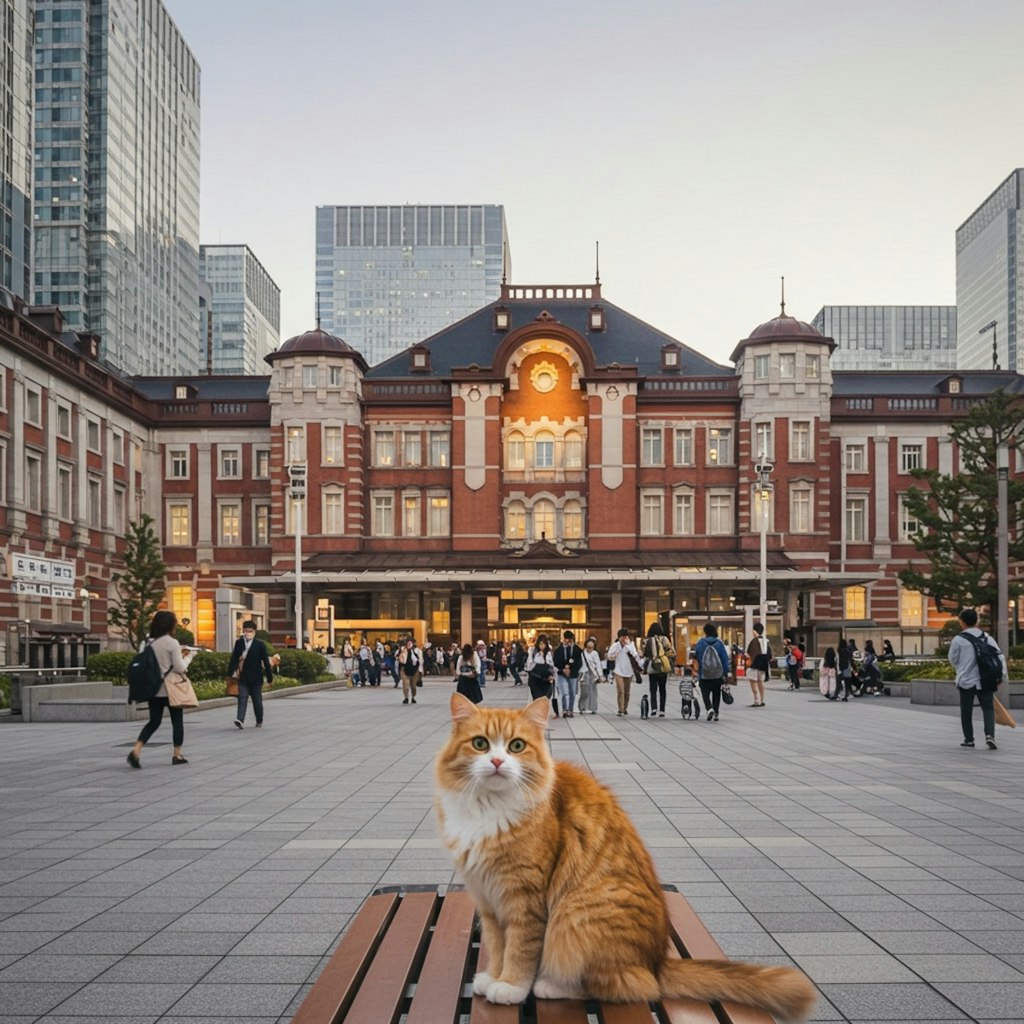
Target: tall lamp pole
[(1002, 547), (297, 494), (764, 468), (991, 326)]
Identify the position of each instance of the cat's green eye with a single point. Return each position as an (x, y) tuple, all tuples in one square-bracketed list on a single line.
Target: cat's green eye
[(480, 743), (517, 746)]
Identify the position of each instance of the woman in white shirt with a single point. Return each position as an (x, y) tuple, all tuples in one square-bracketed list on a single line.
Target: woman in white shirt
[(540, 669)]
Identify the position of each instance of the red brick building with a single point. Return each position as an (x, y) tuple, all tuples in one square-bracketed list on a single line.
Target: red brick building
[(549, 461)]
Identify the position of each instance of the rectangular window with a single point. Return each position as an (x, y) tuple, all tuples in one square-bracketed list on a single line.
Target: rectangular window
[(682, 513), (684, 446), (439, 448), (261, 525), (572, 521), (909, 525), (763, 442), (230, 463), (856, 519), (335, 376), (812, 367), (652, 513), (800, 442), (120, 511), (437, 516), (309, 376), (92, 435), (64, 478), (230, 523), (295, 445), (573, 451), (912, 608), (332, 453), (719, 446), (94, 496), (33, 482), (412, 448), (515, 523), (179, 601), (787, 365), (64, 421), (334, 513), (651, 446), (800, 510), (544, 451), (33, 407), (117, 447), (516, 449), (384, 448), (762, 367), (261, 463), (856, 458), (911, 457), (179, 523), (177, 460), (720, 514), (383, 515), (855, 603), (411, 515)]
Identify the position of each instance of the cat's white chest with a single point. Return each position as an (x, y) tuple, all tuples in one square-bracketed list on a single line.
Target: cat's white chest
[(470, 823)]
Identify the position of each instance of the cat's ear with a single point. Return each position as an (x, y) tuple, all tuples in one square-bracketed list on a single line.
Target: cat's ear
[(462, 708), (536, 712)]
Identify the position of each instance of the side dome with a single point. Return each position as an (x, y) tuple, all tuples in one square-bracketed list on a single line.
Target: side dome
[(316, 343), (785, 327)]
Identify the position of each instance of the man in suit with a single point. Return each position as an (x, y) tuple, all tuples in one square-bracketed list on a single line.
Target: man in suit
[(568, 662), (251, 659)]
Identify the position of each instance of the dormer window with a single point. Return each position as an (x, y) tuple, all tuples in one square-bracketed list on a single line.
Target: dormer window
[(954, 387), (181, 392), (596, 318), (670, 357), (419, 359), (502, 319)]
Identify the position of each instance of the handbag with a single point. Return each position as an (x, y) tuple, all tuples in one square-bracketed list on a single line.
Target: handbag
[(180, 692), (727, 697), (231, 686), (1003, 717)]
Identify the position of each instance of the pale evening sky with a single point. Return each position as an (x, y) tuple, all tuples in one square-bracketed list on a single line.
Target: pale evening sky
[(710, 146)]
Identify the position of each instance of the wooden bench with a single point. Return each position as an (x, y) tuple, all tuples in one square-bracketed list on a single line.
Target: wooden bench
[(414, 951)]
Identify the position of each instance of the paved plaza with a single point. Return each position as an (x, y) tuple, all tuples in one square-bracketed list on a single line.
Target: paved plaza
[(858, 841)]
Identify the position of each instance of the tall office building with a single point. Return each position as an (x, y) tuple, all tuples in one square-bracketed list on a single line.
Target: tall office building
[(117, 179), (390, 276), (245, 310), (890, 337), (16, 148), (989, 293)]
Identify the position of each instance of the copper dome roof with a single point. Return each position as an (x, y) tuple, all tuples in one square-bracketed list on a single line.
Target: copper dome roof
[(314, 342), (784, 327)]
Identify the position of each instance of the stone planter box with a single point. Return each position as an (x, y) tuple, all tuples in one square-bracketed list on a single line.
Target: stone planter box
[(943, 691)]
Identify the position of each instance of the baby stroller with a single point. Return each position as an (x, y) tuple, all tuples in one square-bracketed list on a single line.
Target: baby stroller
[(691, 702)]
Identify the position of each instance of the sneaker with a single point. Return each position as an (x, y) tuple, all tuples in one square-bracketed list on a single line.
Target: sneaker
[(711, 714), (991, 743), (133, 760), (967, 743), (406, 701), (661, 714), (259, 725), (414, 700), (716, 716), (238, 724)]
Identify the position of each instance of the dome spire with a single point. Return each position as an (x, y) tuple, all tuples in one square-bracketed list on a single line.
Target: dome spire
[(783, 312)]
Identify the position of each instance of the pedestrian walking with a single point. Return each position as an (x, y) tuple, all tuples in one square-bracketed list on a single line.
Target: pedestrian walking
[(658, 658), (540, 669), (977, 676), (568, 659), (591, 674), (759, 660), (712, 669), (251, 659), (410, 668), (623, 656)]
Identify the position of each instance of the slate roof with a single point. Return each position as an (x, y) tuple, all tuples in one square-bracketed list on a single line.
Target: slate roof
[(923, 382), (208, 388), (626, 340)]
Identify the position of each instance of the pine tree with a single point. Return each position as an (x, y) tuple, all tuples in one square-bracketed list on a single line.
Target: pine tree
[(140, 588), (958, 513)]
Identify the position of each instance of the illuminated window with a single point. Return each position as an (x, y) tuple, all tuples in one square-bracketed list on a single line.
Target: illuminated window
[(855, 603), (544, 521), (912, 608), (179, 520), (412, 448), (384, 445), (573, 450), (515, 521), (572, 520), (230, 523), (179, 601), (440, 454), (516, 448), (720, 446), (411, 515), (437, 516), (261, 524), (812, 367), (333, 439)]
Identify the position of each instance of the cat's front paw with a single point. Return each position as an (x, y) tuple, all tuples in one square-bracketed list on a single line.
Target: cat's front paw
[(503, 992), (482, 981)]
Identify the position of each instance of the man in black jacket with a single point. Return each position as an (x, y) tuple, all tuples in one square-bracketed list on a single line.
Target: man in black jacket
[(568, 663), (250, 658)]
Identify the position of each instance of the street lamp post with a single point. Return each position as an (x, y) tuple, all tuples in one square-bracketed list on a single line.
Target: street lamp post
[(1002, 546), (297, 494), (991, 326), (764, 491)]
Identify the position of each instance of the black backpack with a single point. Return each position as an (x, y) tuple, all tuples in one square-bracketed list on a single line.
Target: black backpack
[(990, 665), (144, 675)]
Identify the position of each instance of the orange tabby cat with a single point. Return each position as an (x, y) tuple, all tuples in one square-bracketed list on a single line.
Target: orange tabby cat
[(569, 902)]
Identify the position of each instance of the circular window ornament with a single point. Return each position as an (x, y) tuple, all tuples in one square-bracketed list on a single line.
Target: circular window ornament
[(473, 394), (544, 377), (612, 393)]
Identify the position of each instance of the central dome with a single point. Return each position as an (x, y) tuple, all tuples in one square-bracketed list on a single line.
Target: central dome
[(784, 327)]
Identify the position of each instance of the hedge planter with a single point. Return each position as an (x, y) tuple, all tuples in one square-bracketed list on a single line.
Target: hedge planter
[(943, 692)]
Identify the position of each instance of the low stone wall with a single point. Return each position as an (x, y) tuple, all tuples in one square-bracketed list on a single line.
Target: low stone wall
[(943, 691)]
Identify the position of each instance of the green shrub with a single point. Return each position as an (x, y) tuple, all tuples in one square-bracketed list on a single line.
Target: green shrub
[(304, 665), (112, 665), (5, 692)]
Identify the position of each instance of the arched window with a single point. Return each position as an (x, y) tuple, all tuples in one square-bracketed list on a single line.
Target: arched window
[(544, 450), (515, 521), (544, 520), (572, 520), (515, 451), (573, 450)]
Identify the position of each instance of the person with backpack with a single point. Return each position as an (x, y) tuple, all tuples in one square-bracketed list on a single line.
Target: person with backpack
[(870, 673), (658, 657), (794, 664), (165, 654), (759, 655), (712, 665), (828, 677), (980, 668)]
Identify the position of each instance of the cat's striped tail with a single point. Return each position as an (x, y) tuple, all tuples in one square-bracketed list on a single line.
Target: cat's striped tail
[(782, 991)]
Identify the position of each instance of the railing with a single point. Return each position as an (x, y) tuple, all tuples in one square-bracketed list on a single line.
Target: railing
[(913, 404), (422, 389), (551, 291), (691, 384), (864, 404)]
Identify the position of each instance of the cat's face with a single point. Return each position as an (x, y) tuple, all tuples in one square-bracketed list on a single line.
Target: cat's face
[(496, 750)]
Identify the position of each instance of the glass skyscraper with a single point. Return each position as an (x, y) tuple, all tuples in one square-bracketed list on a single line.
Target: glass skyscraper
[(989, 246), (16, 148), (890, 337), (390, 276), (116, 208), (245, 310)]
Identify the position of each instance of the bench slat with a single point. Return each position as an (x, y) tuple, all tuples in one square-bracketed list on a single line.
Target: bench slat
[(686, 1011), (439, 989), (383, 989), (483, 1012), (699, 944), (333, 990), (563, 1011)]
